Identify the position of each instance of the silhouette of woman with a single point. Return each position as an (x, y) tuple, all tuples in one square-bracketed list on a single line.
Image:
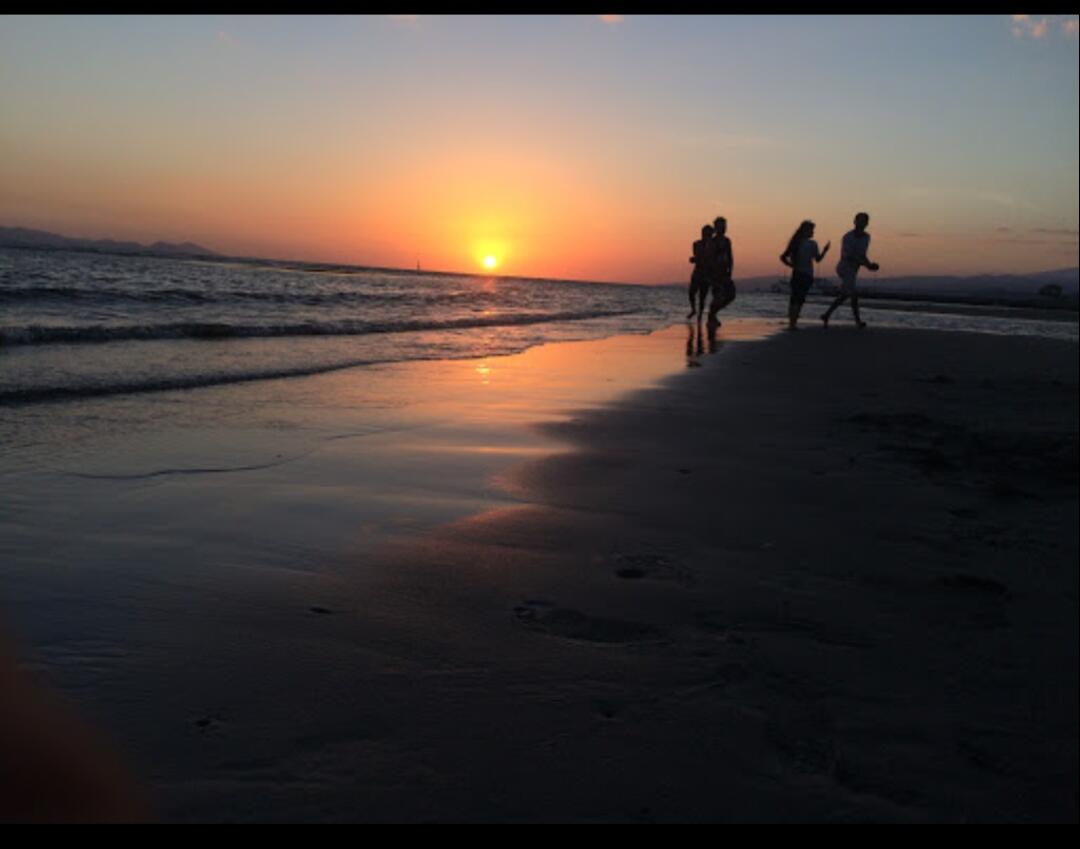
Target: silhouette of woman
[(800, 256), (700, 280)]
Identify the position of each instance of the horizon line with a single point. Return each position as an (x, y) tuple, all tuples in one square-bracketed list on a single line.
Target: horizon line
[(214, 255)]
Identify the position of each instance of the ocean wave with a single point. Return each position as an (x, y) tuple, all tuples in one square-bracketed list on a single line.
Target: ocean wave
[(82, 334), (84, 295), (39, 394)]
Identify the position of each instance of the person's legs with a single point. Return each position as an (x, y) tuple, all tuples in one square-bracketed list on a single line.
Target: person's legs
[(825, 316), (728, 294), (847, 287), (693, 298), (723, 294), (794, 308), (855, 308), (800, 285)]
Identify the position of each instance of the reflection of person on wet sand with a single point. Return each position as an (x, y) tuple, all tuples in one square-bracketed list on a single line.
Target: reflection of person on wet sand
[(852, 257), (700, 279), (800, 255), (723, 264), (695, 341), (695, 344), (713, 346)]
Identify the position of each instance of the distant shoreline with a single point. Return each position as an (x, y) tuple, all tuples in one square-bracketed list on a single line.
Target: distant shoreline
[(982, 306), (310, 265), (1045, 305), (1050, 308)]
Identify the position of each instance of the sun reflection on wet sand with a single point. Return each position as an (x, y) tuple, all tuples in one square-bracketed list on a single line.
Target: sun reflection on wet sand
[(552, 379), (302, 464)]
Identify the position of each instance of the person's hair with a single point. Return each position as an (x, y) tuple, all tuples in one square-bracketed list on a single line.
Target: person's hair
[(706, 230), (859, 215), (720, 220), (797, 239)]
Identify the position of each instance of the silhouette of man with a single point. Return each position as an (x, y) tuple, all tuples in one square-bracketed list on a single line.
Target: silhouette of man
[(723, 266), (852, 257)]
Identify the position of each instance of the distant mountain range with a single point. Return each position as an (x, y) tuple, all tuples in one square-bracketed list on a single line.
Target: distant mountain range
[(23, 237)]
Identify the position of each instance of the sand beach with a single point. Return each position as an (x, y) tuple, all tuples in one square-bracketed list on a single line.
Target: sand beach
[(814, 577)]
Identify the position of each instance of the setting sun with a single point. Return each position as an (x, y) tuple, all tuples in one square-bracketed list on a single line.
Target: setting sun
[(490, 261)]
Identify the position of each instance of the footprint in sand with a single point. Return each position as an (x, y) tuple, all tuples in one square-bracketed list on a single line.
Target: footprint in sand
[(657, 567), (987, 597), (802, 737), (546, 618), (209, 723), (607, 709), (1005, 490), (974, 584)]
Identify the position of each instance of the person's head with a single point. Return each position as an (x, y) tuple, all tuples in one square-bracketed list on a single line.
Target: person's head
[(707, 231), (720, 226), (805, 231), (861, 220)]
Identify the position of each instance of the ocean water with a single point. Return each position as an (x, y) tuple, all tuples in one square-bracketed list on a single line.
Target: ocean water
[(78, 325)]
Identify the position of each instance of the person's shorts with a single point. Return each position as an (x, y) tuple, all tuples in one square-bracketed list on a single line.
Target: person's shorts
[(699, 283), (724, 290), (847, 278), (800, 285)]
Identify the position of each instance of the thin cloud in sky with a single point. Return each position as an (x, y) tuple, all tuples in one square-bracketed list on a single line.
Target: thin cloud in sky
[(725, 141), (1029, 26), (1052, 231), (995, 198), (1015, 240)]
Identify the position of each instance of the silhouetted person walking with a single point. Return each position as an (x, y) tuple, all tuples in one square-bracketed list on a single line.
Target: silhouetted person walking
[(852, 256), (723, 285), (800, 256), (701, 278)]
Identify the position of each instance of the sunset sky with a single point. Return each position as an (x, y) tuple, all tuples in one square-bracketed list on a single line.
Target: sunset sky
[(589, 147)]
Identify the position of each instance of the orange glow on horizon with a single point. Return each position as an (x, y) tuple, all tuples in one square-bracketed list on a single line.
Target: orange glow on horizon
[(482, 207)]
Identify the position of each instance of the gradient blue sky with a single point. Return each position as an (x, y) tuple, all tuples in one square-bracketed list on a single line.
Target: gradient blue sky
[(565, 146)]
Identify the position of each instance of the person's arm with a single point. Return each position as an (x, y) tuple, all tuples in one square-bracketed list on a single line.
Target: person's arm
[(865, 260), (821, 255), (785, 258), (730, 260)]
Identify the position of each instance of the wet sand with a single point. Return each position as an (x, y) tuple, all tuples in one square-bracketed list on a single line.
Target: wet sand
[(830, 576)]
